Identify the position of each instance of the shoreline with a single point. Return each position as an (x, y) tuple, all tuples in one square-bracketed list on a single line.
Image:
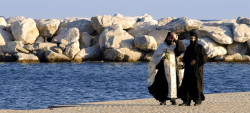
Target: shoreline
[(219, 102)]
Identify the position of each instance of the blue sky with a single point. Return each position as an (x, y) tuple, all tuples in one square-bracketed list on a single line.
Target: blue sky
[(195, 9)]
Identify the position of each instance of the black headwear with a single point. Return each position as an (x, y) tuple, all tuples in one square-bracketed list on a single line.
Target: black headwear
[(193, 33)]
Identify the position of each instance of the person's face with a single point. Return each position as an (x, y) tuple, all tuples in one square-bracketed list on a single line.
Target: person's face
[(170, 39), (192, 39)]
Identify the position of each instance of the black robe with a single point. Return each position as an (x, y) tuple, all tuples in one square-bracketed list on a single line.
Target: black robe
[(192, 83), (159, 89)]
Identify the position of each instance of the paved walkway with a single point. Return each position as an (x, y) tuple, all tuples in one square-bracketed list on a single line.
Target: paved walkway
[(214, 103)]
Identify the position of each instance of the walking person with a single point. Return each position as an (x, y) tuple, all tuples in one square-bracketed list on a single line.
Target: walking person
[(192, 83), (163, 82)]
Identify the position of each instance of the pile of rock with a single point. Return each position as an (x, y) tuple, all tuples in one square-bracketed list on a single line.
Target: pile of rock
[(116, 38)]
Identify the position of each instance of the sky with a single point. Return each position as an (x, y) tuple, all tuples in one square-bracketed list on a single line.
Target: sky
[(59, 9)]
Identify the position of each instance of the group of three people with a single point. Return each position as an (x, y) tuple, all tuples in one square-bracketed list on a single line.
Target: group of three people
[(166, 79)]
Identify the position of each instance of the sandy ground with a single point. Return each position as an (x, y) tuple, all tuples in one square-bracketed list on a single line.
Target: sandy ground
[(214, 103)]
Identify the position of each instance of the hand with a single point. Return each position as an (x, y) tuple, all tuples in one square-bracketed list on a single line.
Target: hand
[(193, 62)]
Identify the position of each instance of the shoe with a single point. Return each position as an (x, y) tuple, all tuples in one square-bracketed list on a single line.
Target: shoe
[(184, 104), (163, 103), (173, 102)]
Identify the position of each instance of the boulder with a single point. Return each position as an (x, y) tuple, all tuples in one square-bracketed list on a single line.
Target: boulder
[(44, 46), (100, 22), (241, 48), (57, 50), (212, 49), (226, 22), (26, 58), (159, 35), (142, 28), (243, 20), (221, 34), (72, 49), (14, 19), (85, 40), (5, 37), (146, 43), (122, 54), (181, 25), (52, 56), (40, 39), (3, 23), (13, 47), (165, 21), (115, 37), (82, 24), (29, 47), (146, 18), (233, 58), (68, 36), (47, 27), (90, 53), (241, 32), (25, 30), (148, 56)]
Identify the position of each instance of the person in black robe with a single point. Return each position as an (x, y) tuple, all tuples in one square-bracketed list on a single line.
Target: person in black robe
[(159, 89), (192, 83)]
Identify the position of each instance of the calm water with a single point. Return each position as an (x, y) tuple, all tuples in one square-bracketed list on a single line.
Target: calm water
[(35, 86)]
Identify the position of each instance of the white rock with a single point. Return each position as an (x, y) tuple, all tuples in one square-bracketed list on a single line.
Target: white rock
[(25, 30), (181, 25), (212, 49), (148, 56), (5, 37), (52, 56), (100, 22), (47, 27), (44, 46), (90, 53), (82, 24), (146, 18), (72, 49), (226, 22), (220, 34), (85, 40), (14, 19), (115, 37), (243, 20), (40, 39), (122, 54), (159, 35), (241, 48), (12, 47), (142, 28), (3, 23), (165, 21), (145, 43), (26, 58), (68, 36), (241, 32)]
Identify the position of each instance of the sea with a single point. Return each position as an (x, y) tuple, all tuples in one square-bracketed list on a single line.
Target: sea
[(39, 85)]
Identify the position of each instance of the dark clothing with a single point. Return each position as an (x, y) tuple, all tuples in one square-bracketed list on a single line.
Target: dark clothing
[(192, 83), (159, 89)]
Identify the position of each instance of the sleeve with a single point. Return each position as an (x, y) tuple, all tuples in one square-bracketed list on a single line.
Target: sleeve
[(179, 48), (202, 56)]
